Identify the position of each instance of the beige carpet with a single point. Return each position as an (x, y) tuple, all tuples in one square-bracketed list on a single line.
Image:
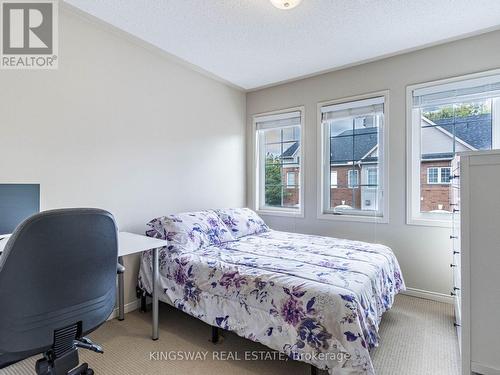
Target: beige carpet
[(417, 338)]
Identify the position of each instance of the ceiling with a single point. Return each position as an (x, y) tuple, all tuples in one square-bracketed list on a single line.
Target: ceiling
[(251, 44)]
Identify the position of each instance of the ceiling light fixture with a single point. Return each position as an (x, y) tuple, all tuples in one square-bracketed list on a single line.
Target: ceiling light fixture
[(285, 4)]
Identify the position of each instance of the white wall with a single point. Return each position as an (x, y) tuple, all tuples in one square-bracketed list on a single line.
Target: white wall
[(122, 127), (424, 252)]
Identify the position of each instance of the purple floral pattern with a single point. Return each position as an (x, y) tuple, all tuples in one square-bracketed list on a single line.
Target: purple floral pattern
[(299, 294), (190, 230), (242, 221)]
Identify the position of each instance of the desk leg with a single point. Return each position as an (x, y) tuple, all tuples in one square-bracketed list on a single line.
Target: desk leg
[(155, 293), (121, 293)]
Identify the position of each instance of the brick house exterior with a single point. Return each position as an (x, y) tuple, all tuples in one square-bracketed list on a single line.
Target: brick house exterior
[(434, 196), (464, 134), (291, 196), (441, 139), (343, 194)]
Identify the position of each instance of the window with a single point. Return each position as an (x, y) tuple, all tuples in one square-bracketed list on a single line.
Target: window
[(445, 175), (372, 178), (352, 177), (438, 175), (433, 175), (445, 118), (278, 162), (333, 179)]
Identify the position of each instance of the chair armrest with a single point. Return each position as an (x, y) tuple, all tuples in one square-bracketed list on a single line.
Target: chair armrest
[(119, 268)]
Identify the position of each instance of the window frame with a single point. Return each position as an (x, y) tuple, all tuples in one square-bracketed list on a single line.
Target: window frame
[(439, 176), (256, 168), (413, 143), (323, 214)]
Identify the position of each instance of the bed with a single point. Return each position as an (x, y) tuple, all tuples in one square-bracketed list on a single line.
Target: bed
[(316, 299)]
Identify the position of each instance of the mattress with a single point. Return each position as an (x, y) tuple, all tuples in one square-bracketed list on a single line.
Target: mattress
[(316, 299)]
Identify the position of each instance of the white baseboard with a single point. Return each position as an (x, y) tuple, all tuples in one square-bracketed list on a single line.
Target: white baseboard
[(425, 294), (131, 306)]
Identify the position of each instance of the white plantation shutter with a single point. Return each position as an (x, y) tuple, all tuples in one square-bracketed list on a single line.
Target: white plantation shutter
[(455, 92), (280, 120), (372, 106)]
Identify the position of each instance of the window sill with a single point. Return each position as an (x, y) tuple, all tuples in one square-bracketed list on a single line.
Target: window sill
[(429, 222), (354, 218), (283, 213)]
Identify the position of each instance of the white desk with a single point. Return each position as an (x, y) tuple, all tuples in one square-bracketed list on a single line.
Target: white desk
[(131, 243)]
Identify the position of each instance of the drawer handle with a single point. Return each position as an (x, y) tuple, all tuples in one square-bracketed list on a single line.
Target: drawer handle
[(453, 265), (453, 237)]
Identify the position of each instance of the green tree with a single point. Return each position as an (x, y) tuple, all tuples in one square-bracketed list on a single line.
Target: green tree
[(464, 110), (273, 181)]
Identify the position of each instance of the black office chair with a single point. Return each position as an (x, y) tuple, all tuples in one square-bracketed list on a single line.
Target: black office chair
[(57, 284)]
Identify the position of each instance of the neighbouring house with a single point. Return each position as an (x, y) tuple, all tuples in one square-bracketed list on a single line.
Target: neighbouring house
[(354, 175), (291, 175), (441, 139)]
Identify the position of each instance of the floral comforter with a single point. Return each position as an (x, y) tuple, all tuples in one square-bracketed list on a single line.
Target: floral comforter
[(317, 299)]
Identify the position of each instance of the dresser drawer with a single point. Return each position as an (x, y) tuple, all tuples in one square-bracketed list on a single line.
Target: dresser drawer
[(455, 196), (455, 241)]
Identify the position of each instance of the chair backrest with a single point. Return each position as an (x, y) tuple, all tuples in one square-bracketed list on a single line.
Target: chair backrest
[(58, 269)]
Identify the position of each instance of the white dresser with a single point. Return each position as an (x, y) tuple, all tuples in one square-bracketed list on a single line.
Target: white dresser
[(475, 195)]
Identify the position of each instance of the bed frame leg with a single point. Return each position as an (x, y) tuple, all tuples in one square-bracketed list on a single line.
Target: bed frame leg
[(215, 335), (316, 371)]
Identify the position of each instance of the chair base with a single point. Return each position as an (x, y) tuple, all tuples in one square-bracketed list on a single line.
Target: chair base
[(67, 364), (44, 369)]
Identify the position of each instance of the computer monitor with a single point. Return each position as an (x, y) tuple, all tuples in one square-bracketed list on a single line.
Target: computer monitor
[(17, 202)]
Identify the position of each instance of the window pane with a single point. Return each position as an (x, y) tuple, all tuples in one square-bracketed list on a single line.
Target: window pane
[(353, 145), (291, 134), (370, 191), (290, 152), (273, 151), (279, 167), (445, 175), (445, 130), (341, 127), (272, 136), (432, 175)]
